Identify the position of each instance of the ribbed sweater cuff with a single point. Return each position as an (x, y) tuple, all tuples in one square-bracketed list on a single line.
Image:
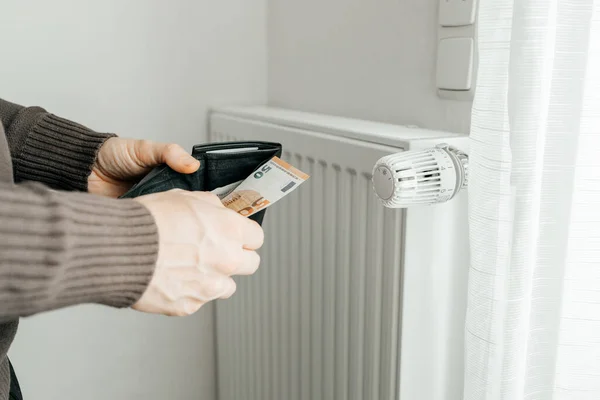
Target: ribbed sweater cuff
[(63, 249), (59, 153)]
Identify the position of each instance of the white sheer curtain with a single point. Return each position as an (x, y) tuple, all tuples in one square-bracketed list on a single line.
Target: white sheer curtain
[(533, 319)]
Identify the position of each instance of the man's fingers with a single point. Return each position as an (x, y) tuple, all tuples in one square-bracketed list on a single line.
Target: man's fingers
[(254, 235), (250, 263), (150, 154), (178, 159), (210, 286)]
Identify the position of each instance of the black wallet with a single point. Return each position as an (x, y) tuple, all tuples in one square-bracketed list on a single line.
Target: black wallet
[(221, 164)]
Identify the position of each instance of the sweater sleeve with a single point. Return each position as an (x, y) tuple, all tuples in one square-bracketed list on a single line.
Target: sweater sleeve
[(49, 149), (63, 248)]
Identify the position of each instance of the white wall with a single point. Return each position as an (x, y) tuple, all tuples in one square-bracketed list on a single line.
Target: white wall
[(362, 59), (141, 68)]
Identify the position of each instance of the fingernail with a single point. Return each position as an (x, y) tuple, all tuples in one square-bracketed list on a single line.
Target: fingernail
[(191, 162)]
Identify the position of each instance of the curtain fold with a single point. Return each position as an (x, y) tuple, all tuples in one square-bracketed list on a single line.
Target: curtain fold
[(533, 317)]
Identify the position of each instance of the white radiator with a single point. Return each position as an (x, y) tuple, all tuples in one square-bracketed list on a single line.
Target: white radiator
[(352, 301)]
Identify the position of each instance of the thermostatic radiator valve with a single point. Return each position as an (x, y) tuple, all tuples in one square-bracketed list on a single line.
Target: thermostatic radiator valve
[(419, 177)]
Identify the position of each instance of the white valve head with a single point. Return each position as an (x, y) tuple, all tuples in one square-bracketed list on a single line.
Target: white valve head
[(420, 177)]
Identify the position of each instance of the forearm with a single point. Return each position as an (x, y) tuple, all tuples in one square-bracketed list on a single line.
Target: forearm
[(49, 149), (59, 249)]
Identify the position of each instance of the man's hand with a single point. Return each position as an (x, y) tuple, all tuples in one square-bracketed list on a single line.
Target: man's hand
[(201, 245), (121, 162)]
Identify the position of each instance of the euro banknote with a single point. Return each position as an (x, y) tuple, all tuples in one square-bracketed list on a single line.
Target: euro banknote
[(267, 185)]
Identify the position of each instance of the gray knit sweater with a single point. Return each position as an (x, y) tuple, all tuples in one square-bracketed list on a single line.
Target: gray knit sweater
[(58, 247)]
